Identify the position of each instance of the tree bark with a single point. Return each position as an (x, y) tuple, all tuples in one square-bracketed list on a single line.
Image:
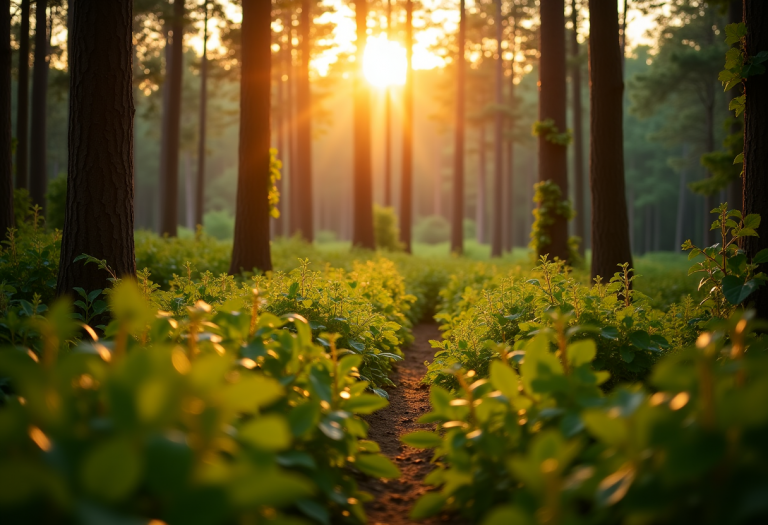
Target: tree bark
[(509, 190), (282, 121), (251, 250), (99, 214), (735, 190), (200, 182), (294, 180), (406, 183), (480, 214), (388, 124), (362, 230), (38, 172), (164, 116), (610, 229), (22, 101), (578, 131), (755, 194), (304, 127), (457, 223), (553, 158), (169, 185), (498, 160), (681, 198), (6, 157), (709, 146)]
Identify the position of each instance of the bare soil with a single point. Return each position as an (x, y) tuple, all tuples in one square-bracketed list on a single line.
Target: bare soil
[(407, 402)]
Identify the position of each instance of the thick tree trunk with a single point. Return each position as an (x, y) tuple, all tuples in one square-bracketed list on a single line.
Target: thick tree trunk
[(610, 229), (578, 131), (553, 158), (735, 190), (38, 171), (22, 101), (200, 186), (164, 116), (6, 158), (406, 183), (388, 124), (457, 223), (251, 249), (99, 215), (498, 160), (480, 209), (169, 184), (755, 196), (362, 228), (304, 128)]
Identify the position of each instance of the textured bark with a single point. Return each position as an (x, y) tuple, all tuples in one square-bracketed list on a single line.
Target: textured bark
[(735, 190), (457, 223), (553, 158), (251, 249), (755, 196), (362, 194), (6, 159), (508, 228), (304, 127), (22, 101), (99, 214), (610, 228), (480, 214), (169, 183), (406, 183), (38, 172), (200, 186), (578, 131), (388, 124), (709, 146), (164, 104), (498, 160), (294, 218)]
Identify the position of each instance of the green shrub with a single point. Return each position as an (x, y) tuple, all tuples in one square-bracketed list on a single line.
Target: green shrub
[(385, 229), (219, 225), (432, 230)]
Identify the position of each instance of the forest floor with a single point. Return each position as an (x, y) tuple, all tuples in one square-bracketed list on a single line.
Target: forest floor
[(394, 499)]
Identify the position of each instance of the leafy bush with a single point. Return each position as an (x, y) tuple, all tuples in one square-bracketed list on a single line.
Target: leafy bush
[(385, 229), (550, 202), (219, 225), (539, 441), (432, 230), (228, 416)]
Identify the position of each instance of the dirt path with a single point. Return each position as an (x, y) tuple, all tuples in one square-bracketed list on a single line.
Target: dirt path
[(394, 499)]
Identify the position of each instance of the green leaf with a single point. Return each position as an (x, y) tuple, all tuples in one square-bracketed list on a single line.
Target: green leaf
[(735, 32), (752, 221), (422, 439), (273, 488), (269, 432), (640, 339), (507, 515), (377, 465), (736, 290), (739, 159), (428, 505), (251, 393), (365, 404), (627, 355), (610, 332), (613, 488), (609, 430), (761, 257), (581, 352), (112, 470), (504, 378)]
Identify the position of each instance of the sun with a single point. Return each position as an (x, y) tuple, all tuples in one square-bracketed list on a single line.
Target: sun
[(384, 62)]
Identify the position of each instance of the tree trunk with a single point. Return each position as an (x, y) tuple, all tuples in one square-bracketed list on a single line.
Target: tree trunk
[(509, 190), (200, 186), (304, 128), (38, 171), (388, 124), (457, 223), (251, 250), (406, 183), (99, 214), (294, 218), (282, 121), (681, 198), (6, 158), (362, 231), (169, 185), (734, 190), (481, 185), (578, 131), (189, 193), (610, 229), (755, 196), (164, 116), (553, 158), (498, 161), (709, 146), (22, 101)]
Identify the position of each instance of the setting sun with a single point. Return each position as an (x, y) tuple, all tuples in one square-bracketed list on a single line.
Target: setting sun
[(384, 62)]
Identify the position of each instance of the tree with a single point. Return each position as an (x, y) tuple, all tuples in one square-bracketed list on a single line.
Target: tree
[(6, 159), (251, 242), (302, 182), (22, 100), (610, 226), (498, 128), (552, 101), (388, 124), (755, 196), (457, 223), (578, 129), (99, 213), (735, 15), (38, 172), (362, 194), (169, 183), (406, 184), (200, 186)]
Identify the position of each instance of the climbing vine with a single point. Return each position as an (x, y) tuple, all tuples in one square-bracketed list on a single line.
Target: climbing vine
[(551, 205), (551, 133)]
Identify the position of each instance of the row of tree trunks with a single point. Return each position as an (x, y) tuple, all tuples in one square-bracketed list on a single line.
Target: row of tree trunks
[(457, 223), (6, 160), (406, 185), (38, 171)]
